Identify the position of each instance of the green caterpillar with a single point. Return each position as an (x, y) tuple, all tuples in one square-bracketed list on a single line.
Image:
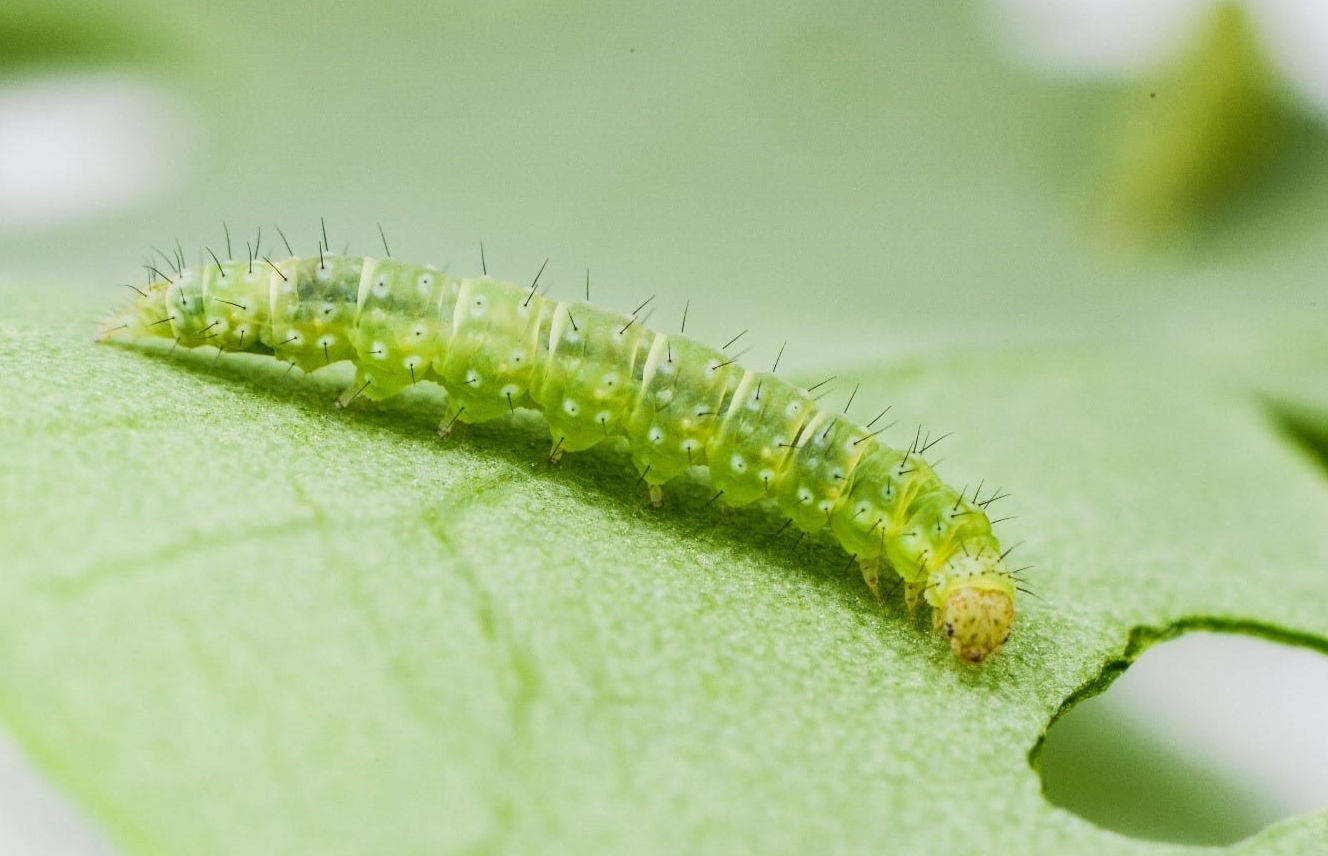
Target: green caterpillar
[(595, 374)]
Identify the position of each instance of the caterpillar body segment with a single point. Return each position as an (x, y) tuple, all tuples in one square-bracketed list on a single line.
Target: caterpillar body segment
[(596, 374), (756, 437), (683, 389), (592, 361)]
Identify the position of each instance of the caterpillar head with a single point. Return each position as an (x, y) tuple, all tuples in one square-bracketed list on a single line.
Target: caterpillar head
[(975, 610), (977, 621)]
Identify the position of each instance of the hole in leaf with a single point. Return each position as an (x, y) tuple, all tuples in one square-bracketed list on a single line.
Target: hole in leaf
[(1205, 739)]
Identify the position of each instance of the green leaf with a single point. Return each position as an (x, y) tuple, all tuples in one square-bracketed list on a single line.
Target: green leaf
[(238, 621)]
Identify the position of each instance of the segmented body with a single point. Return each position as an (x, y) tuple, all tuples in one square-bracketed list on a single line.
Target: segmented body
[(595, 374)]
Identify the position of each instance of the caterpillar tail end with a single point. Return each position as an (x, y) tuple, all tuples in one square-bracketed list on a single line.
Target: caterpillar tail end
[(121, 325), (976, 620), (141, 318)]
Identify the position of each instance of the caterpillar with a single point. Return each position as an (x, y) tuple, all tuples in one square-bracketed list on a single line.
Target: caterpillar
[(595, 374)]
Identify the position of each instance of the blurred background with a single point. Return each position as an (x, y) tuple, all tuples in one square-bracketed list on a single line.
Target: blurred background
[(932, 163), (872, 182)]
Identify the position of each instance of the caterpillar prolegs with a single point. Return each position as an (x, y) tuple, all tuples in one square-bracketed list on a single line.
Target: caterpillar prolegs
[(595, 374)]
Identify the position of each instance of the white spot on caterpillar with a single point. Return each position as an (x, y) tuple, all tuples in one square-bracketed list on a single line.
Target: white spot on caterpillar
[(738, 464), (655, 434), (570, 407), (378, 351)]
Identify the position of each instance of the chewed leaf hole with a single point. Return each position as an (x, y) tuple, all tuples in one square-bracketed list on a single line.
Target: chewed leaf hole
[(1205, 739)]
